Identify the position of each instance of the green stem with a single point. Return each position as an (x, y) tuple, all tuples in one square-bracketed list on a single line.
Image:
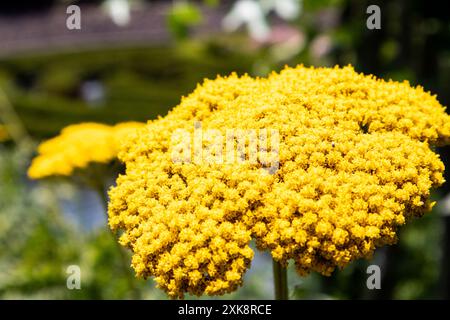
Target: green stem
[(123, 258), (280, 281)]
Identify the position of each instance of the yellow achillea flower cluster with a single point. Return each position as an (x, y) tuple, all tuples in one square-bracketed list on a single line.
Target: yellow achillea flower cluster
[(355, 163), (4, 135), (79, 145)]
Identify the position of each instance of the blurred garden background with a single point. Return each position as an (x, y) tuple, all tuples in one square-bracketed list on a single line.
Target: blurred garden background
[(134, 60)]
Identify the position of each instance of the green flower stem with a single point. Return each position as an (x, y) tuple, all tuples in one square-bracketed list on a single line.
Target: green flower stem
[(280, 281)]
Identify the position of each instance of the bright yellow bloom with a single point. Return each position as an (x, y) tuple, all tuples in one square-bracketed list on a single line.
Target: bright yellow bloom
[(79, 145), (354, 164), (4, 135)]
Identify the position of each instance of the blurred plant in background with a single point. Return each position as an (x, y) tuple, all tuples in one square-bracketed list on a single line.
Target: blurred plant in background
[(4, 135), (39, 241)]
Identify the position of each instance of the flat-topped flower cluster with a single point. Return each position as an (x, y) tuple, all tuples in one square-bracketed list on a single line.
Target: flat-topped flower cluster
[(78, 146), (355, 163)]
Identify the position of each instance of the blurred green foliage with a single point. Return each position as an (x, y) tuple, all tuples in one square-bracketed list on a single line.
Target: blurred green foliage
[(38, 243), (139, 83), (182, 16)]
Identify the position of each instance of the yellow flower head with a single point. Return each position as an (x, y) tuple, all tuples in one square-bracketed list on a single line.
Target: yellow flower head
[(4, 135), (354, 164), (77, 146)]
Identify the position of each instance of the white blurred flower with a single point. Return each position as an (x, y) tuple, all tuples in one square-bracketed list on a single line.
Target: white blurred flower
[(252, 14), (119, 11), (249, 13), (286, 9), (93, 92)]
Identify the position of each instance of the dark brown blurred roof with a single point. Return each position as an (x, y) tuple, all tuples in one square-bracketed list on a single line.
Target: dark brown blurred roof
[(46, 30)]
